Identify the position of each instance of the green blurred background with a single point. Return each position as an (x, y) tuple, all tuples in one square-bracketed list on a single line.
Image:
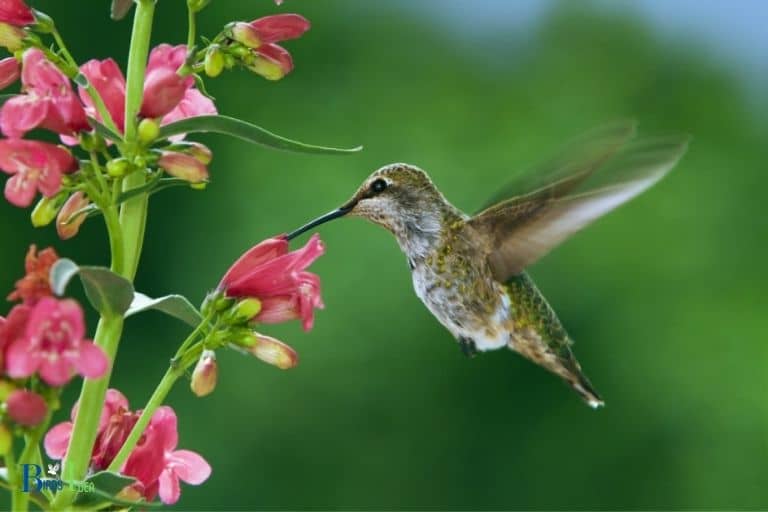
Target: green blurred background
[(665, 298)]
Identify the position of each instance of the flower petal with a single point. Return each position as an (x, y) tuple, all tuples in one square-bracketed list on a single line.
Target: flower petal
[(21, 114), (19, 361), (257, 255), (56, 440), (190, 467), (169, 490), (56, 372), (92, 362), (20, 190)]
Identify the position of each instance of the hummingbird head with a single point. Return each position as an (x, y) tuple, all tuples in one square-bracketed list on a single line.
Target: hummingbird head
[(402, 199)]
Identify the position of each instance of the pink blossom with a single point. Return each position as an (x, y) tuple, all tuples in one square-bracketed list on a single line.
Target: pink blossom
[(34, 166), (54, 346), (273, 351), (163, 87), (106, 77), (36, 281), (26, 407), (12, 328), (15, 12), (9, 71), (272, 62), (49, 101), (181, 165), (159, 466), (194, 103), (278, 279), (280, 27), (67, 226)]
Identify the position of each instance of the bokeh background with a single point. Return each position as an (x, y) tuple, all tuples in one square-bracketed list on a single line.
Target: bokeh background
[(666, 298)]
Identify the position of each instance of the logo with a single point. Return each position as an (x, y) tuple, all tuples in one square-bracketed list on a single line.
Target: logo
[(33, 479)]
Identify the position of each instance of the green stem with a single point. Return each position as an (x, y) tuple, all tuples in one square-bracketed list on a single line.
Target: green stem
[(17, 496), (192, 30)]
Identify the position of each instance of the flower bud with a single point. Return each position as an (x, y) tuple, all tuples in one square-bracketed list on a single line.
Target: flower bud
[(214, 61), (46, 209), (148, 131), (183, 166), (118, 167), (274, 352), (245, 310), (26, 408), (198, 151), (6, 387), (272, 62), (245, 34), (67, 225), (43, 23), (11, 37), (6, 439), (9, 71), (205, 374)]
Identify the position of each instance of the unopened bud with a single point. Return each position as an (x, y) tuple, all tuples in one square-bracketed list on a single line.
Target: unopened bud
[(118, 167), (214, 61), (245, 310), (274, 352), (43, 23), (148, 131), (9, 71), (71, 216), (11, 37), (6, 387), (6, 439), (183, 166), (26, 408), (205, 374), (46, 209), (245, 34)]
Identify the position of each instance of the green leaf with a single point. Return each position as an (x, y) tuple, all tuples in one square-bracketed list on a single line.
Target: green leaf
[(120, 9), (104, 131), (174, 305), (248, 132), (100, 489), (108, 293)]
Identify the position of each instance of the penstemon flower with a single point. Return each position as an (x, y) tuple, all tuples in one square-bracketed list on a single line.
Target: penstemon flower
[(26, 408), (34, 166), (15, 12)]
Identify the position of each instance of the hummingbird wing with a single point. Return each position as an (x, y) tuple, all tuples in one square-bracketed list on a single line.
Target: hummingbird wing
[(592, 176)]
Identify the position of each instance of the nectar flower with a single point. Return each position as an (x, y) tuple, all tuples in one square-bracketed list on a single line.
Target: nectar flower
[(12, 328), (67, 226), (9, 71), (205, 374), (158, 466), (193, 103), (49, 101), (270, 29), (34, 166), (106, 77), (163, 87), (16, 12), (181, 165), (277, 278), (54, 346), (36, 281), (274, 352), (26, 408)]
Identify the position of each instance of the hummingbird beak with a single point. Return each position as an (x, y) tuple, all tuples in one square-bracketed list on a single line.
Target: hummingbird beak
[(335, 214)]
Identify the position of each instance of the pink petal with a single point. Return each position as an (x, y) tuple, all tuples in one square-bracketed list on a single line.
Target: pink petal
[(49, 182), (19, 362), (190, 467), (169, 490), (70, 312), (254, 257), (15, 12), (9, 71), (108, 80), (40, 73), (193, 104), (275, 310), (21, 114), (56, 440), (56, 372), (164, 421), (20, 190), (92, 362), (277, 55), (279, 27)]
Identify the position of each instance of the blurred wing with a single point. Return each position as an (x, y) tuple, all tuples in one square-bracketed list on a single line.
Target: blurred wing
[(522, 229)]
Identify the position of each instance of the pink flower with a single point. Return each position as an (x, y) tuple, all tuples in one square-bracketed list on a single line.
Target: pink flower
[(67, 226), (15, 12), (278, 279), (9, 71), (273, 351), (54, 346), (12, 328), (181, 165), (35, 166), (26, 408), (272, 61), (163, 87), (36, 281), (108, 80), (194, 103), (49, 101), (159, 466)]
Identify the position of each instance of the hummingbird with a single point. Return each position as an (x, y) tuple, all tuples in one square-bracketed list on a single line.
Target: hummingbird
[(470, 271)]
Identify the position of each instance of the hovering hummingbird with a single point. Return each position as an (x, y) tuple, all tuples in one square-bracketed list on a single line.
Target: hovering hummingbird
[(470, 270)]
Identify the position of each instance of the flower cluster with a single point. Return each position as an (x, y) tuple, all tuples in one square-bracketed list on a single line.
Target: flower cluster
[(42, 337), (155, 462)]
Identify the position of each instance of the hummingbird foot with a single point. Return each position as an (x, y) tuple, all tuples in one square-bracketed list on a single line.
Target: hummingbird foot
[(468, 347)]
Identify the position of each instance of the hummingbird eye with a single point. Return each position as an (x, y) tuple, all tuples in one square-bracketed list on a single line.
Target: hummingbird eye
[(378, 186)]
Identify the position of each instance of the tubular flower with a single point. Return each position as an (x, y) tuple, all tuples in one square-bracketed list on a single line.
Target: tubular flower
[(26, 407), (49, 101), (67, 226), (271, 60), (274, 352), (36, 282), (53, 345), (163, 87), (34, 166), (277, 278), (9, 71), (106, 77), (16, 12), (181, 165)]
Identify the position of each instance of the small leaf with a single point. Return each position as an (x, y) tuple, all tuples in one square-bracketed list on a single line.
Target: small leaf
[(248, 132), (101, 488), (174, 305), (120, 9), (108, 293), (104, 131)]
